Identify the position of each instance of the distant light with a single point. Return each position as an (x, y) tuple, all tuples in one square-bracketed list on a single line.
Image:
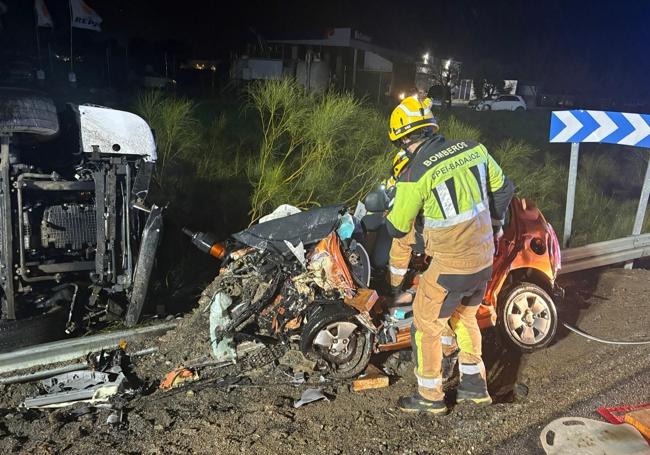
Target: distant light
[(402, 95), (425, 57), (213, 68), (447, 64)]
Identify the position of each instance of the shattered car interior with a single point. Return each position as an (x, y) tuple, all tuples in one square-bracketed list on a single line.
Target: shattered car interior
[(77, 238)]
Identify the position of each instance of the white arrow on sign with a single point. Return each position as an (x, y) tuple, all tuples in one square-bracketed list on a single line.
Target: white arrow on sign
[(573, 125), (607, 127), (641, 130)]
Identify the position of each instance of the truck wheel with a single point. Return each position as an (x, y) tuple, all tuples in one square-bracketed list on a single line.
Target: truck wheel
[(42, 328), (527, 317), (334, 335), (27, 111)]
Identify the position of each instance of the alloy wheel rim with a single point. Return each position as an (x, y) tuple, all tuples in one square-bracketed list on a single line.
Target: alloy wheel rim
[(528, 318)]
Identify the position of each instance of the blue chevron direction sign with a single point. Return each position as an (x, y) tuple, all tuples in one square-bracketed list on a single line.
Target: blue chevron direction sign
[(605, 127), (600, 126)]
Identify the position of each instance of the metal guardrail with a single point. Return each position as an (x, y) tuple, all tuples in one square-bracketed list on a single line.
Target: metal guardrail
[(63, 351), (605, 253)]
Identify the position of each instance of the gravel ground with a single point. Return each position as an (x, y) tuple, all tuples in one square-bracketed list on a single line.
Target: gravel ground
[(255, 415)]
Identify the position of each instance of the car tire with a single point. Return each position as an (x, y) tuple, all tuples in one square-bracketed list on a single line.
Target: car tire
[(326, 318), (527, 317), (487, 107), (519, 108), (27, 111), (43, 328)]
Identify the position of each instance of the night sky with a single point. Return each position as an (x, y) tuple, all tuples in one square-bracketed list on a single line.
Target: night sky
[(572, 45)]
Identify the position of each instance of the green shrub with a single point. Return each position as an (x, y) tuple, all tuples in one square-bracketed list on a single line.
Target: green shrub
[(314, 150), (177, 131), (455, 130)]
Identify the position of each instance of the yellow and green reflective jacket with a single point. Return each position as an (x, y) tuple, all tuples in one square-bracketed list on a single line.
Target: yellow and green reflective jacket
[(449, 181)]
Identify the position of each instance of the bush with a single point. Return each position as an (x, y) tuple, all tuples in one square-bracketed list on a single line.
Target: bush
[(314, 150), (455, 130), (311, 150), (177, 131)]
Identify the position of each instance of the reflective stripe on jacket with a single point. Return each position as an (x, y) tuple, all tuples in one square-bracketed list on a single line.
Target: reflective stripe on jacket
[(449, 181)]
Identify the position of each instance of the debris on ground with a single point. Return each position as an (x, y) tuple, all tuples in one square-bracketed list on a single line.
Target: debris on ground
[(297, 361), (83, 386), (248, 407), (178, 377), (298, 378), (372, 378), (115, 418), (580, 436), (77, 387), (310, 396)]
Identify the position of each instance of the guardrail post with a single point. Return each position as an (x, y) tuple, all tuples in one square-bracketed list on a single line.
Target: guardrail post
[(641, 209), (570, 194)]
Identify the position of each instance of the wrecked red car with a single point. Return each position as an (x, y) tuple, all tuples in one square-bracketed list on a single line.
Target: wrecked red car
[(304, 280)]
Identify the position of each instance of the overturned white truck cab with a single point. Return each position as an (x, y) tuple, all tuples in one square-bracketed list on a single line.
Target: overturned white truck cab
[(77, 237)]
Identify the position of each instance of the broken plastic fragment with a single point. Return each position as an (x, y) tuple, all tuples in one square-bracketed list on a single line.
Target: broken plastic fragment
[(346, 227), (78, 387), (219, 318), (280, 212), (309, 396), (114, 418), (298, 378), (298, 251), (177, 377), (360, 211)]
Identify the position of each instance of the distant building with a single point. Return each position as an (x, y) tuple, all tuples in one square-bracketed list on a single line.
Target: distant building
[(343, 58)]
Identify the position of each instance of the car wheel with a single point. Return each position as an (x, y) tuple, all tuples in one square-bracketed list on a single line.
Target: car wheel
[(336, 337), (527, 317), (487, 107), (519, 108)]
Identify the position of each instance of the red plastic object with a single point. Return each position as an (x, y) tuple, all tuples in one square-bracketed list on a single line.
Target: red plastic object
[(616, 414)]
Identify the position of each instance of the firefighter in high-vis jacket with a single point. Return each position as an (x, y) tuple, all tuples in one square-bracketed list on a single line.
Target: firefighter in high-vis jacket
[(402, 248), (400, 253), (463, 196)]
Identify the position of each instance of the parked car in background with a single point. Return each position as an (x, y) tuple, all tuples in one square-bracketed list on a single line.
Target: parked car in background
[(503, 103), (472, 104)]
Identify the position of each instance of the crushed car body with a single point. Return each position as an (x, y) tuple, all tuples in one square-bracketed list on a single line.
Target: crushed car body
[(320, 302)]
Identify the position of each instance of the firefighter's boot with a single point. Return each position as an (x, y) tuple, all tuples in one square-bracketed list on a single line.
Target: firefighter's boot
[(417, 403), (473, 387)]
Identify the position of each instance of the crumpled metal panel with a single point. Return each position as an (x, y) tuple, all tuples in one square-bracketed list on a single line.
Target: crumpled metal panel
[(117, 132), (307, 227)]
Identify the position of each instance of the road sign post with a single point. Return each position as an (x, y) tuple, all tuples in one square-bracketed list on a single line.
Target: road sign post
[(570, 194), (641, 209), (602, 127), (643, 203)]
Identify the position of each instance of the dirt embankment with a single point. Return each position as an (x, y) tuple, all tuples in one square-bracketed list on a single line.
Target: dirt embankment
[(255, 415)]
